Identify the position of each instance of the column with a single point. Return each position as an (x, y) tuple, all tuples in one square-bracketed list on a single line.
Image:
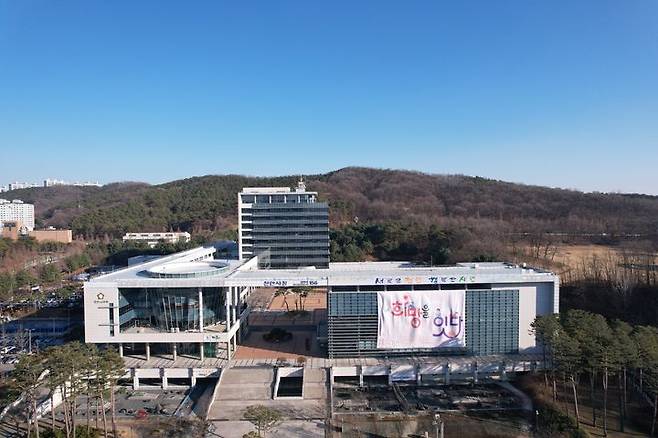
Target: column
[(135, 379), (228, 308), (360, 371), (148, 351), (192, 377), (121, 350), (174, 348), (165, 382), (446, 375), (201, 309), (236, 303), (202, 354)]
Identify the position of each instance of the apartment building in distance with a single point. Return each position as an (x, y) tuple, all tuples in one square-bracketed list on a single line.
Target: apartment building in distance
[(17, 211), (152, 239), (286, 228)]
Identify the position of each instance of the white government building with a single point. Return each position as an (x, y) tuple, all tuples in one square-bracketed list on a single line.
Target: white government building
[(193, 304)]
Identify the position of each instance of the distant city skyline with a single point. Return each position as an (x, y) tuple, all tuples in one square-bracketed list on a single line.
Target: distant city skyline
[(559, 94), (46, 182)]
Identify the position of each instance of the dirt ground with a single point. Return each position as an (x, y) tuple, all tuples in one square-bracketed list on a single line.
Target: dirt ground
[(638, 418), (482, 424)]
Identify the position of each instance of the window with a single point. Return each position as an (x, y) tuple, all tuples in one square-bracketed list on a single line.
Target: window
[(111, 314), (492, 321)]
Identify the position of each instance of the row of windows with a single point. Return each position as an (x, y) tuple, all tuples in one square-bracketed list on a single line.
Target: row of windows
[(296, 256), (281, 241), (266, 199), (302, 209), (294, 250), (308, 217), (259, 234), (302, 226)]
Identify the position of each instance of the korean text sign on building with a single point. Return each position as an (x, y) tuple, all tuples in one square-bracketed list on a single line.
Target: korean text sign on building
[(421, 319)]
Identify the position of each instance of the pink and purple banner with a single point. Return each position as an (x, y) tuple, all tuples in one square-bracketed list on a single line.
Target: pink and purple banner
[(421, 319)]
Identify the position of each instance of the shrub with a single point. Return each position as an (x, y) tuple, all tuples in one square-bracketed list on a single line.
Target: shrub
[(277, 335)]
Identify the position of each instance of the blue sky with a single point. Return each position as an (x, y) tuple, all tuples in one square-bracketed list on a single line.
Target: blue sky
[(557, 93)]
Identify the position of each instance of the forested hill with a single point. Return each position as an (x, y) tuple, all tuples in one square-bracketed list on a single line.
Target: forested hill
[(355, 194)]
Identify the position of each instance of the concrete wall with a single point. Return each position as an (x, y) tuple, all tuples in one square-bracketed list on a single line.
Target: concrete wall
[(61, 236)]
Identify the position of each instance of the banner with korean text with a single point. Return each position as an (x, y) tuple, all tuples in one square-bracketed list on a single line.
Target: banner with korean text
[(421, 319)]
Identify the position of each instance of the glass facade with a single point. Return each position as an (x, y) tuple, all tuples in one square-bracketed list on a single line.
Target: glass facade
[(169, 309), (295, 231), (492, 321), (492, 324)]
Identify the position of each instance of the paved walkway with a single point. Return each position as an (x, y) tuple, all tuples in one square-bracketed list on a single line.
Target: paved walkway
[(288, 429), (521, 362)]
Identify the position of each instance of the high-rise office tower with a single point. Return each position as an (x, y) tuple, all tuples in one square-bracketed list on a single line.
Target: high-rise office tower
[(287, 228)]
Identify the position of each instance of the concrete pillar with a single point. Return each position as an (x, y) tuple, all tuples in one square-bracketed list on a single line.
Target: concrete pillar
[(201, 309), (135, 379), (121, 350), (228, 308), (148, 351), (360, 371), (174, 350), (192, 377), (236, 303), (446, 373), (202, 354), (163, 375)]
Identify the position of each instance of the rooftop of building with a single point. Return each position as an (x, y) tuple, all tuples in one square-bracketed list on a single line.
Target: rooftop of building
[(301, 188), (192, 268), (197, 268), (15, 201)]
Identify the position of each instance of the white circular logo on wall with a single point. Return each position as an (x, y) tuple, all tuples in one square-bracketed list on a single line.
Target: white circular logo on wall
[(100, 296)]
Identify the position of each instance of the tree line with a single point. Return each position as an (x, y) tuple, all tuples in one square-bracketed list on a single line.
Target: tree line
[(372, 195), (70, 370), (582, 345)]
